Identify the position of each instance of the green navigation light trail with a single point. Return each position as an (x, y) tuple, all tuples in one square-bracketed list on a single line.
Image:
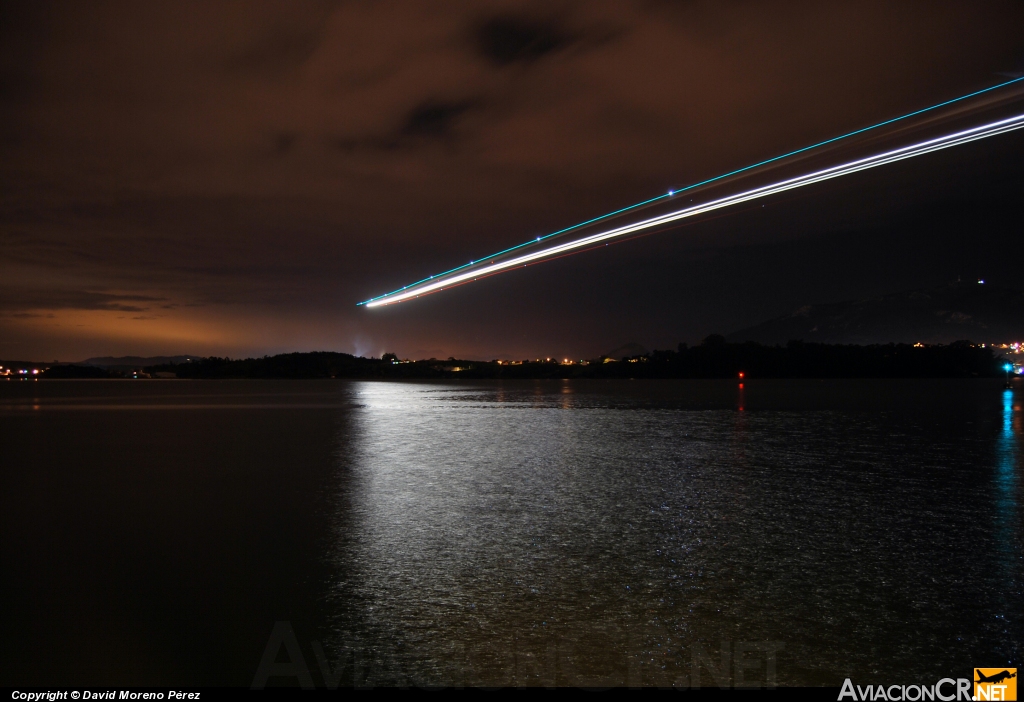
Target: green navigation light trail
[(448, 278)]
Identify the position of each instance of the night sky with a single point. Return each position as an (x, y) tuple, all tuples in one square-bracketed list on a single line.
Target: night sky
[(232, 178)]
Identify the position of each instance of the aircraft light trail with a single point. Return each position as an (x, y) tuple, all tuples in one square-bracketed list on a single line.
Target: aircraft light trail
[(676, 191), (455, 277)]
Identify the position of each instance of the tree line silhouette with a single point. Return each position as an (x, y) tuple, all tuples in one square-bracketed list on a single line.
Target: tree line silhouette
[(713, 358)]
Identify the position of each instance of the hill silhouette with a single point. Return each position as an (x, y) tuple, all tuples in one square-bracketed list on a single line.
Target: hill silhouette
[(122, 363), (627, 351), (715, 358), (982, 312)]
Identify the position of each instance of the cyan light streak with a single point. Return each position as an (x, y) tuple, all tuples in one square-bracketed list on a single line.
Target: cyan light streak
[(676, 191), (906, 152)]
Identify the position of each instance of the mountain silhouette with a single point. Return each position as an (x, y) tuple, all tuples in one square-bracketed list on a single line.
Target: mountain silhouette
[(626, 351), (983, 313), (130, 362)]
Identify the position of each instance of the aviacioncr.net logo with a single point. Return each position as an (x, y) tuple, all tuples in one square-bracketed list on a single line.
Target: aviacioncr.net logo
[(945, 690)]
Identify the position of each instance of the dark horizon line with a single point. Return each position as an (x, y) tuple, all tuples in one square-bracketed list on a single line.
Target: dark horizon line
[(712, 340), (714, 358)]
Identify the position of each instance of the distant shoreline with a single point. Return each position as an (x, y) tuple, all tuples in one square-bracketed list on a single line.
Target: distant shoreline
[(715, 358)]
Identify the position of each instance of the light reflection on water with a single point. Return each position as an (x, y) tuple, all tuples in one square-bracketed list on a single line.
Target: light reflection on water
[(551, 532), (596, 533), (1007, 532)]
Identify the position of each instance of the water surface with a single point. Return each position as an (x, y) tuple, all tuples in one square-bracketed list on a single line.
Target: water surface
[(549, 532)]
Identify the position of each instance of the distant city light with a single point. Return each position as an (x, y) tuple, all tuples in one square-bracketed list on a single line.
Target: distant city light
[(981, 281)]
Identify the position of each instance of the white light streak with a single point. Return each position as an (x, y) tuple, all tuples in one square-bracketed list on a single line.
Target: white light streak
[(919, 149)]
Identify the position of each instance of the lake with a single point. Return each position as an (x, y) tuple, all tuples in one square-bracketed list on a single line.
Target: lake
[(600, 533)]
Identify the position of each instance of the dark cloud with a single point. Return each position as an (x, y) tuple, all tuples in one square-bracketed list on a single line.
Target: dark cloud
[(278, 38), (276, 52), (24, 298), (434, 118), (284, 142), (30, 315), (511, 39)]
